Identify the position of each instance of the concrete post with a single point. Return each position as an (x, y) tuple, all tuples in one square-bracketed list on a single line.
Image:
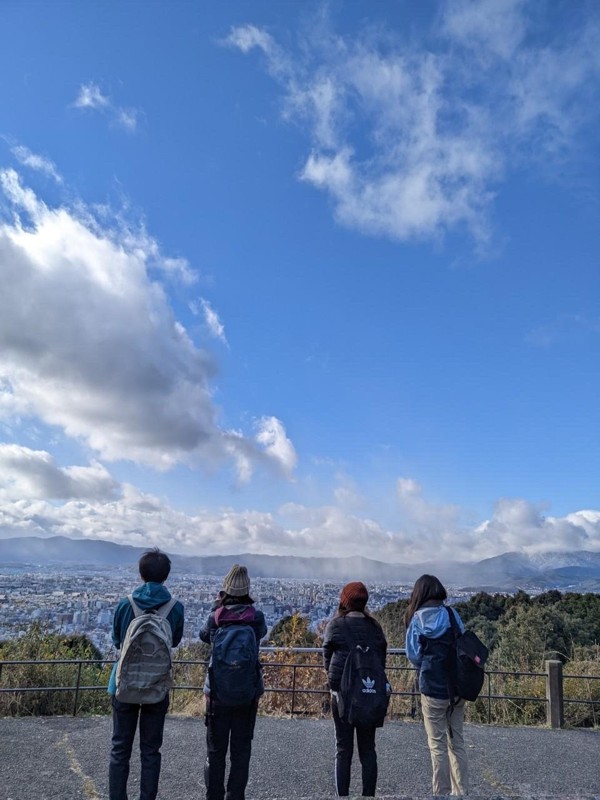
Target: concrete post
[(554, 694)]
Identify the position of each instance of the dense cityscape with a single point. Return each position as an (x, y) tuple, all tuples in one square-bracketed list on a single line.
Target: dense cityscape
[(82, 601)]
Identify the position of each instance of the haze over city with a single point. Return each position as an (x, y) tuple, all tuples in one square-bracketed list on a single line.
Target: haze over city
[(313, 279)]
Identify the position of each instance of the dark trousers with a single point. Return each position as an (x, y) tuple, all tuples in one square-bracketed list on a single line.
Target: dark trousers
[(231, 728), (125, 720), (344, 746)]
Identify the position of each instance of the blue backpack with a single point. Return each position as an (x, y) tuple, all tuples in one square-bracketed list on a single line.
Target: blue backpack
[(234, 669)]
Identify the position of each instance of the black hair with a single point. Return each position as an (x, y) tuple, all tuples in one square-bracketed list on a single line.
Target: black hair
[(426, 588), (154, 566)]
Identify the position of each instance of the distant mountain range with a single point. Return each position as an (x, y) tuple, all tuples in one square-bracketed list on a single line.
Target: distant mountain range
[(577, 571)]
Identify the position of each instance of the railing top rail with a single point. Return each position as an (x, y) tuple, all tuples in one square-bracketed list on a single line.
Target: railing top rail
[(271, 649)]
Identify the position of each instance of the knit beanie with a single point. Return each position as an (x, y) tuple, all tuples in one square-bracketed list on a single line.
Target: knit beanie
[(354, 595), (237, 582)]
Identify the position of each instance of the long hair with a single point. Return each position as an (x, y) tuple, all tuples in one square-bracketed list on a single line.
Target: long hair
[(426, 588)]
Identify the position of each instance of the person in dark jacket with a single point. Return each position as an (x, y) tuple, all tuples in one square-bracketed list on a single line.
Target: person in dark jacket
[(429, 643), (154, 568), (231, 726), (351, 624)]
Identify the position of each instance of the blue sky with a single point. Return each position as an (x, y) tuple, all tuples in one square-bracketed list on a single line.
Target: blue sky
[(301, 278)]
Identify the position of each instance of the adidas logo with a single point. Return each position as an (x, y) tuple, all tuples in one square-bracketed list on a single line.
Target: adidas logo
[(369, 685)]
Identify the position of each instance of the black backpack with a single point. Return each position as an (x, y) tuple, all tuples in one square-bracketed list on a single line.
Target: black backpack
[(363, 697), (468, 657)]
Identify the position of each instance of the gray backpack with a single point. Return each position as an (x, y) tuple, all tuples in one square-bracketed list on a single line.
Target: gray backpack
[(144, 668)]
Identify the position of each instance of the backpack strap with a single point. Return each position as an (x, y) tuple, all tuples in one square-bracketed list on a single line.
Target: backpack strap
[(350, 642), (453, 623), (452, 670), (165, 609), (137, 611)]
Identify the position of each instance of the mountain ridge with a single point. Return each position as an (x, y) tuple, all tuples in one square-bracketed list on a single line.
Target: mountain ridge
[(504, 572)]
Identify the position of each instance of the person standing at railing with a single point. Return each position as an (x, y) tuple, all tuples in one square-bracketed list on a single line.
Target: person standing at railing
[(145, 680), (352, 625), (429, 644), (233, 685)]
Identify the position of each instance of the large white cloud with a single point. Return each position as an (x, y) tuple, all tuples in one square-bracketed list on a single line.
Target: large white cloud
[(89, 343), (410, 139), (26, 473), (97, 507)]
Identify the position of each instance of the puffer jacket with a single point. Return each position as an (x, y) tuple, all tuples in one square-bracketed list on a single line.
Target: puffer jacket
[(356, 628), (147, 596), (429, 641), (237, 614)]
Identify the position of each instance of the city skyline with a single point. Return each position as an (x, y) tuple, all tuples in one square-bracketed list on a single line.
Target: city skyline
[(301, 279)]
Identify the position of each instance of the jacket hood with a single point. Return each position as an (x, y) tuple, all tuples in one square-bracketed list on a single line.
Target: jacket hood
[(432, 621), (151, 595)]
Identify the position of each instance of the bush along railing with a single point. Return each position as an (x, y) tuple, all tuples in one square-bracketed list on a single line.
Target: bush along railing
[(295, 684)]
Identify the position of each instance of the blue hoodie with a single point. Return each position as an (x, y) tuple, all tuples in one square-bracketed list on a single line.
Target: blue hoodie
[(428, 642), (148, 595)]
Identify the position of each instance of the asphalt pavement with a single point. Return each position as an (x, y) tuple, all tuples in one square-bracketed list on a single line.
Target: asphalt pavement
[(63, 758)]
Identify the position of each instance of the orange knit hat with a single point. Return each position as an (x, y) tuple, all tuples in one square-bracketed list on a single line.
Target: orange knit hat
[(354, 594)]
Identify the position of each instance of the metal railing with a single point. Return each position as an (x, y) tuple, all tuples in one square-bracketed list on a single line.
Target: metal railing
[(554, 700)]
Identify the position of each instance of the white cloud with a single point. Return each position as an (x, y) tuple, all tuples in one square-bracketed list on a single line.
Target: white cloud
[(411, 140), (90, 97), (99, 508), (273, 438), (518, 525), (26, 473), (248, 37), (89, 343), (496, 26), (34, 161), (212, 321), (127, 118)]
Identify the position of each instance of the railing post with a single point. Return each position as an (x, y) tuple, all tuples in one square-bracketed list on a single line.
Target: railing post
[(293, 688), (77, 689), (554, 694)]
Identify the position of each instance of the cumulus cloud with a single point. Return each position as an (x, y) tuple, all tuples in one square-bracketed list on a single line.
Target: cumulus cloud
[(90, 97), (97, 507), (36, 162), (518, 525), (26, 473), (273, 438), (410, 141), (89, 343)]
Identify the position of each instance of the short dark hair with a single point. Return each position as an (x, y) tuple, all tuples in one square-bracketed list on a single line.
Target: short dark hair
[(154, 566)]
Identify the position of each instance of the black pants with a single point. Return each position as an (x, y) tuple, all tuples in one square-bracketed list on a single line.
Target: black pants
[(152, 722), (344, 742), (231, 728)]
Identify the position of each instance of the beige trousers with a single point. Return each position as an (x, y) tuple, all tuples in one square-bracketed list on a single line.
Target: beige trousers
[(448, 754)]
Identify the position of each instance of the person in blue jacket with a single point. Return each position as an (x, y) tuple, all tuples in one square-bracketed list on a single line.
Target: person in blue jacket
[(154, 567), (429, 643)]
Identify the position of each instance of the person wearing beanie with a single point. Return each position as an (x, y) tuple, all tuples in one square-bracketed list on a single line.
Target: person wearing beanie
[(352, 623), (229, 724)]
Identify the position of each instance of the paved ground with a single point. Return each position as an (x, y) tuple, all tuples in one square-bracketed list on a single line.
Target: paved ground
[(62, 758)]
